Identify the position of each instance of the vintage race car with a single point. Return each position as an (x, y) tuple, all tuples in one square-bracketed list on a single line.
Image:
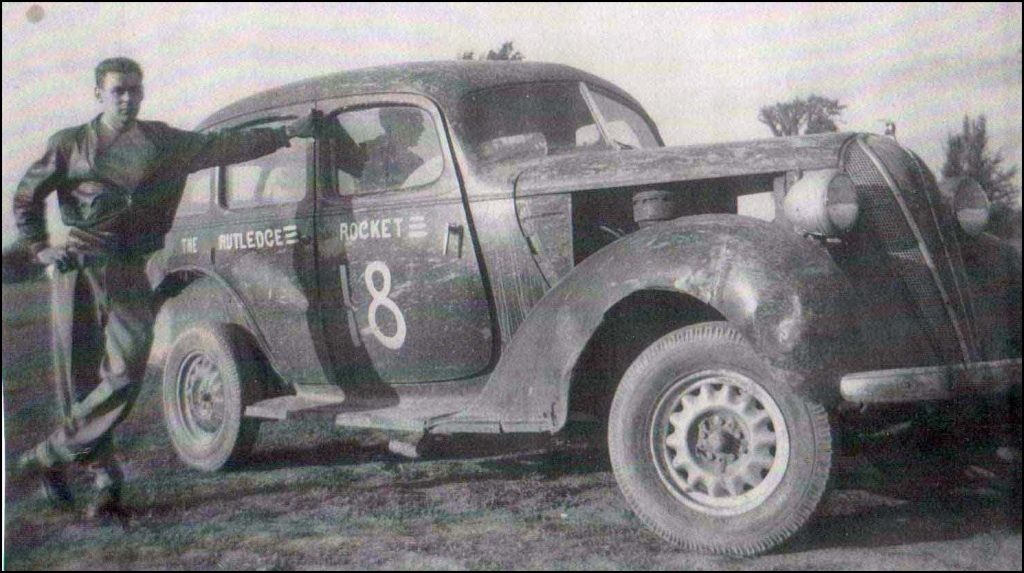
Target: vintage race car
[(496, 247)]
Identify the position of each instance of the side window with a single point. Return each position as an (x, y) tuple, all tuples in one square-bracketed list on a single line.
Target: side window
[(275, 179), (385, 148), (195, 200)]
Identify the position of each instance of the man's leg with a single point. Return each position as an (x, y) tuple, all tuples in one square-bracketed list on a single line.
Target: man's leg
[(124, 300), (108, 478), (76, 334)]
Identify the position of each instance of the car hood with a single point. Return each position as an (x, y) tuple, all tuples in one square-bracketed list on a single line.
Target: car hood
[(627, 168)]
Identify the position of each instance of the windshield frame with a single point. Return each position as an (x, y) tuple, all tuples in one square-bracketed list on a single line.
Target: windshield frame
[(604, 125)]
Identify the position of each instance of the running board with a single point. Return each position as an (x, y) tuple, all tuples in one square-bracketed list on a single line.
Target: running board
[(442, 416), (408, 416), (288, 407)]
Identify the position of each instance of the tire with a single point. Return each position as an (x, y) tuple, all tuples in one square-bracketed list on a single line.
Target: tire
[(732, 483), (210, 376)]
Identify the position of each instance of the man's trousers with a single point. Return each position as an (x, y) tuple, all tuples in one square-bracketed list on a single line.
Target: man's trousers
[(102, 331)]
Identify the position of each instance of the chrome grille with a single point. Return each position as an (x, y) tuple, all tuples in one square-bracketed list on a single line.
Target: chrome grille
[(937, 286)]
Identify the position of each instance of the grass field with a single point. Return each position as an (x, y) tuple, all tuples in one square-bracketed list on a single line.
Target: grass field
[(319, 497)]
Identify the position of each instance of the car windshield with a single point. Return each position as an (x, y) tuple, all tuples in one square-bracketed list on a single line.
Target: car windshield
[(535, 120)]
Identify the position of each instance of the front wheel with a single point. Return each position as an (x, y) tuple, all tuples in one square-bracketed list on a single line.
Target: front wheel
[(712, 452), (211, 375)]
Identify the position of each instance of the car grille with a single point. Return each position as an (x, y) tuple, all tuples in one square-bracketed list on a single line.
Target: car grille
[(917, 232)]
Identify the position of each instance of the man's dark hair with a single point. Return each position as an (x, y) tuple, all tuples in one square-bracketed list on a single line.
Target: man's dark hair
[(119, 65)]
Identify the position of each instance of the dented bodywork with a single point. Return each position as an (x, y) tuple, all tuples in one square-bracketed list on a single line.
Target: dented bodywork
[(479, 299), (782, 292)]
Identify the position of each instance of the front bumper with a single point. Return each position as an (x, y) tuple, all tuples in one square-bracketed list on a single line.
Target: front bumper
[(932, 382)]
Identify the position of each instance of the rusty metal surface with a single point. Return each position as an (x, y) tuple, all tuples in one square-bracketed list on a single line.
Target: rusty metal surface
[(782, 291), (932, 383), (622, 168)]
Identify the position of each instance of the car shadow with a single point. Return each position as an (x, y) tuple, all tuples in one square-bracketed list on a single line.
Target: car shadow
[(911, 497), (505, 454), (337, 453), (954, 516), (498, 460)]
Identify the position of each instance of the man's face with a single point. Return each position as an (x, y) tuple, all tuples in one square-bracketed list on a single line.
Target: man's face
[(121, 95), (403, 126)]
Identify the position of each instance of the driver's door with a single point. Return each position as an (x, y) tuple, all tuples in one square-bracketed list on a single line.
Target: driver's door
[(402, 295)]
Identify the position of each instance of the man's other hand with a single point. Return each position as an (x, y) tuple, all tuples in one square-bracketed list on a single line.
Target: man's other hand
[(58, 257), (305, 126)]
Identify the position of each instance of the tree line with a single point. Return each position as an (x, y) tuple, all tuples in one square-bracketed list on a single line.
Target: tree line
[(967, 152)]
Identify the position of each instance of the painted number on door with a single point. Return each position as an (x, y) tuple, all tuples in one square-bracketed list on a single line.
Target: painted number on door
[(379, 298)]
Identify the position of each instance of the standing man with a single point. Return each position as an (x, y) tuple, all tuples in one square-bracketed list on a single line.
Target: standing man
[(118, 182)]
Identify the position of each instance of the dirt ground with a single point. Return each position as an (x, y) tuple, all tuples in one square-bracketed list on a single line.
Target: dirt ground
[(319, 497)]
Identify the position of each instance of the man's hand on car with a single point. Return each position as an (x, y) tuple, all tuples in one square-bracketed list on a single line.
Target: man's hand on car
[(306, 126)]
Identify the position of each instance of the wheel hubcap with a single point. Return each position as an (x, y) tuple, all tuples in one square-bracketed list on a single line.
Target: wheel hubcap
[(719, 442), (201, 396)]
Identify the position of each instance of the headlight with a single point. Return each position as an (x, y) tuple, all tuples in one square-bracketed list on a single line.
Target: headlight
[(969, 203), (823, 203)]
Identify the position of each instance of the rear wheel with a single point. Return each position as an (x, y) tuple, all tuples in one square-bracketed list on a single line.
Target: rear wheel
[(712, 451), (211, 375)]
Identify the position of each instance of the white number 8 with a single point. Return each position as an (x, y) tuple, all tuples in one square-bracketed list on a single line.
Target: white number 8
[(379, 298)]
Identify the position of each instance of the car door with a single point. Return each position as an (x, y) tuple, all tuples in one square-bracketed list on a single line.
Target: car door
[(265, 247), (402, 296)]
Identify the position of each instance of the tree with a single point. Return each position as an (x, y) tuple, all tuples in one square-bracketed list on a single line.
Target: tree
[(816, 114), (507, 52), (967, 154)]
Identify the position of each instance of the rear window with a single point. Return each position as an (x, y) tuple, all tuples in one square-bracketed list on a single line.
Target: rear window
[(528, 120), (534, 120), (195, 200)]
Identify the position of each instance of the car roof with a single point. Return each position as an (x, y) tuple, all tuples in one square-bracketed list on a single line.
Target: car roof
[(446, 82)]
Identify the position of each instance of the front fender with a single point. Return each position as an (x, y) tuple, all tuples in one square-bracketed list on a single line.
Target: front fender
[(783, 292)]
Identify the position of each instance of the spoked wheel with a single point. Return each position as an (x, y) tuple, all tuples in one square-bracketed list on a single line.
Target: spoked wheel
[(720, 442), (210, 376), (200, 400), (712, 451)]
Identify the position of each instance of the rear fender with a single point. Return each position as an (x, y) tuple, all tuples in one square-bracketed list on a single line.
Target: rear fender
[(188, 296)]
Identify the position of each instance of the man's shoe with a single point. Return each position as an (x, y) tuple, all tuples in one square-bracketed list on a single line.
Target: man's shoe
[(107, 507), (55, 486)]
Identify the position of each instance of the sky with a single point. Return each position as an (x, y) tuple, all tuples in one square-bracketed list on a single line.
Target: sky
[(702, 71)]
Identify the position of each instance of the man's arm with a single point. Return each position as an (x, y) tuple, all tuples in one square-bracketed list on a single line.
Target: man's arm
[(349, 156), (202, 150), (42, 178)]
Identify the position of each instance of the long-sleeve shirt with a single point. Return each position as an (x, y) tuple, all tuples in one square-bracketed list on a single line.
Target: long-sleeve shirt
[(98, 205)]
